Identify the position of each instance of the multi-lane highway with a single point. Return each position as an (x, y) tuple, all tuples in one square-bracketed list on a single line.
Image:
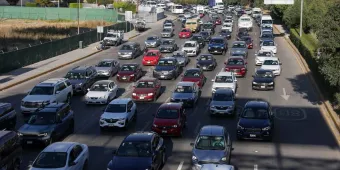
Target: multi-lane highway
[(302, 139)]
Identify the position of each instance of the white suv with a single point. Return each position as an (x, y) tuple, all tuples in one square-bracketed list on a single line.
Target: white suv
[(192, 48), (46, 92), (245, 21), (224, 80)]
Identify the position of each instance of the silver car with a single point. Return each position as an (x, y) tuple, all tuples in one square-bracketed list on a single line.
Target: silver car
[(181, 58), (107, 67), (239, 47), (152, 42), (168, 46), (212, 145), (223, 102), (167, 32)]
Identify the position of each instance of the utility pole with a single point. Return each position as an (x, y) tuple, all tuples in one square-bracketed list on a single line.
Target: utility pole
[(137, 4), (78, 15), (301, 14)]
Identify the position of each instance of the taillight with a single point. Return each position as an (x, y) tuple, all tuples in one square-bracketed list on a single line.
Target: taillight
[(227, 69), (243, 69)]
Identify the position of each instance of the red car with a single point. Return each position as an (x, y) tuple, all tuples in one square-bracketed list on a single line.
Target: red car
[(248, 41), (194, 75), (170, 119), (151, 57), (129, 72), (218, 21), (201, 15), (236, 65), (185, 33), (147, 89)]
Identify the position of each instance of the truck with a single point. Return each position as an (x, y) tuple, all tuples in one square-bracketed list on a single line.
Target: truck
[(114, 37), (140, 25)]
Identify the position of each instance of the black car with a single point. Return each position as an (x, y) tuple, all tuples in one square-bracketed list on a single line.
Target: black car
[(47, 125), (82, 78), (256, 121), (206, 35), (10, 151), (207, 62), (199, 38), (8, 116), (226, 34), (167, 68), (263, 80), (241, 34), (139, 150)]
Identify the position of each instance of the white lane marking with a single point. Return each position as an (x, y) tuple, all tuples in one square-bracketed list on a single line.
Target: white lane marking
[(180, 165), (255, 167), (167, 100), (146, 126)]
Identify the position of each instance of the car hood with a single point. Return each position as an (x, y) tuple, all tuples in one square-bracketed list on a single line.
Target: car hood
[(130, 163), (125, 51), (165, 32), (205, 62), (165, 46), (37, 98), (96, 94), (191, 79), (76, 81), (180, 59), (188, 48), (103, 68), (164, 68), (35, 129), (107, 115), (110, 38), (221, 103), (253, 123), (209, 155), (223, 85), (143, 90), (184, 33), (150, 41), (125, 73), (165, 122), (261, 58), (263, 80), (182, 95), (268, 47), (270, 67), (150, 57)]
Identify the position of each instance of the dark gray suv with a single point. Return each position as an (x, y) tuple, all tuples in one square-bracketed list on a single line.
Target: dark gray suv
[(82, 78)]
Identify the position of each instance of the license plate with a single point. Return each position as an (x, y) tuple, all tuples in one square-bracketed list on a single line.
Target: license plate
[(252, 135), (124, 78), (142, 97), (263, 87), (216, 51), (204, 67), (148, 62), (111, 124), (29, 142), (221, 112), (162, 76), (164, 131)]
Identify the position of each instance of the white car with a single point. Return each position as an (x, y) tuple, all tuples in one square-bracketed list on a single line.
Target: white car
[(62, 156), (272, 63), (261, 55), (269, 45), (118, 113), (224, 80), (192, 48), (101, 92), (227, 26), (245, 21), (46, 92)]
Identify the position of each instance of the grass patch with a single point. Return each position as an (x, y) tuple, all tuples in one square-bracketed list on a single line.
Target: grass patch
[(308, 40)]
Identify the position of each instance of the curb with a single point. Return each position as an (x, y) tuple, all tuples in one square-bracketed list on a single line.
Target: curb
[(134, 36), (325, 103)]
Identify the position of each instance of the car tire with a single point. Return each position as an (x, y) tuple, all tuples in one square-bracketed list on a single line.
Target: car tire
[(126, 124), (86, 165), (68, 98), (16, 164), (52, 139), (163, 158)]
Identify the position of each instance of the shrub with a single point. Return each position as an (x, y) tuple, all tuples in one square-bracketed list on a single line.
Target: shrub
[(126, 6), (31, 4), (75, 5)]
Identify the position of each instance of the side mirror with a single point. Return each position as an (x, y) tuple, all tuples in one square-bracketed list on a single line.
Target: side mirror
[(57, 92), (28, 92), (235, 80), (72, 163), (192, 144), (88, 89)]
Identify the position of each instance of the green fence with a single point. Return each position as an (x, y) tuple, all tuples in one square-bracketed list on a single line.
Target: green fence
[(108, 15), (26, 56)]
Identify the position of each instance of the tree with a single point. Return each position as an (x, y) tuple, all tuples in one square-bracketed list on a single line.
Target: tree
[(12, 2), (101, 2), (314, 14), (44, 3)]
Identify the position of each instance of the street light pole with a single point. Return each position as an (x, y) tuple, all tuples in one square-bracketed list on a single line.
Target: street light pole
[(301, 14), (58, 3), (78, 14)]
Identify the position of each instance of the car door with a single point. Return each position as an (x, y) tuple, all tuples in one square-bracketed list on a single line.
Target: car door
[(81, 156), (157, 155), (63, 92), (113, 92), (228, 145), (116, 67), (129, 110), (59, 92), (159, 86), (60, 128), (73, 161)]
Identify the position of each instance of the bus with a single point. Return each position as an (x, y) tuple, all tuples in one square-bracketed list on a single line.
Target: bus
[(177, 9)]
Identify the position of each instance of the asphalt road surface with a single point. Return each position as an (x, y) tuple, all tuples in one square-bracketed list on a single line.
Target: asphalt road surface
[(302, 139)]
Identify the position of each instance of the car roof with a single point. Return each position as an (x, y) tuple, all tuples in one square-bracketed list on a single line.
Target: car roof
[(212, 130), (147, 79), (59, 147), (224, 91), (120, 101), (168, 39), (225, 73), (129, 64), (271, 58), (217, 38), (168, 58), (185, 83), (171, 106), (263, 70), (257, 104), (103, 82), (51, 82), (153, 50), (107, 60), (139, 137)]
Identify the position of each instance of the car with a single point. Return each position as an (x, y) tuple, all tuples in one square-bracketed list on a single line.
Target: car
[(206, 62), (195, 75), (236, 65), (261, 55), (192, 48), (11, 150), (238, 55), (185, 33), (187, 15), (238, 47), (224, 80), (118, 113), (226, 34), (168, 21), (101, 92), (212, 145), (249, 41), (228, 19), (181, 17), (170, 120), (167, 68), (129, 72), (129, 50), (217, 167), (193, 25), (46, 92), (107, 67), (206, 35), (183, 23), (272, 63), (187, 93), (218, 45), (47, 125), (8, 116), (167, 32), (240, 13), (81, 78), (263, 80), (266, 29), (208, 27), (217, 20), (139, 150), (256, 121), (181, 58), (227, 26), (147, 89), (223, 102), (63, 156), (168, 46), (151, 57), (245, 21), (168, 25), (241, 34), (266, 36), (269, 45), (152, 41), (199, 38)]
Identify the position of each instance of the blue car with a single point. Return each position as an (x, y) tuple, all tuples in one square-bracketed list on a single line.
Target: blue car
[(139, 151), (218, 45)]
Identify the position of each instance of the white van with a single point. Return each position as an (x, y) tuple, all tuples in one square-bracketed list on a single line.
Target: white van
[(256, 12), (245, 21), (266, 20)]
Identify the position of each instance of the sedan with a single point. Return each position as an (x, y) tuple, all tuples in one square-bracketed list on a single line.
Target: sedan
[(194, 75), (185, 33), (236, 65), (147, 89), (187, 93), (181, 57), (167, 32), (151, 57), (249, 41), (206, 62), (206, 35), (107, 67), (263, 80), (129, 72), (168, 46), (272, 63), (241, 34), (269, 45), (239, 47), (226, 34), (152, 42), (101, 92)]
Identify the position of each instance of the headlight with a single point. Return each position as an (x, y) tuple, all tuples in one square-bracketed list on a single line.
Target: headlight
[(154, 125), (130, 53), (132, 75), (211, 65), (224, 159), (119, 53), (43, 134), (121, 119), (209, 47), (266, 128), (193, 158), (212, 107), (271, 83), (134, 94), (254, 82), (108, 71), (175, 126), (153, 43), (240, 127), (150, 94), (19, 134)]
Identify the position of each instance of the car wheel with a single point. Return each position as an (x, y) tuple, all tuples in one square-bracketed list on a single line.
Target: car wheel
[(163, 158), (52, 138), (68, 98)]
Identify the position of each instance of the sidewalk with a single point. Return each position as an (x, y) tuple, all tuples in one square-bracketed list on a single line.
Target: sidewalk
[(15, 77)]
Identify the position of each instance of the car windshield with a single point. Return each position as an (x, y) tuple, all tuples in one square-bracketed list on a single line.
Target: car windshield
[(235, 61), (75, 75), (184, 89), (145, 84), (99, 87), (104, 64), (216, 41), (127, 47), (151, 38), (256, 12), (237, 55), (210, 143), (224, 79), (167, 42), (264, 54), (227, 25), (195, 38), (268, 43), (190, 23), (167, 114), (267, 36), (225, 31), (267, 22), (111, 35), (116, 108), (42, 90), (271, 62), (246, 39), (205, 58), (189, 45), (166, 30), (185, 30), (50, 160), (178, 55), (239, 45), (207, 26), (262, 74), (204, 33), (244, 19), (192, 73), (128, 68), (227, 20), (167, 25), (151, 54), (222, 97), (134, 149), (255, 113), (41, 118), (166, 63)]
